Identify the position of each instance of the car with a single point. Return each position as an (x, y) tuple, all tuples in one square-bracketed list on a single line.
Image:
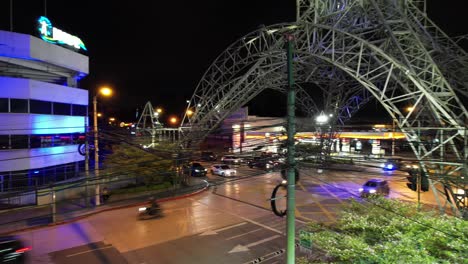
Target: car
[(410, 166), (197, 170), (222, 170), (375, 187), (13, 250), (262, 163), (231, 159), (208, 156), (391, 164)]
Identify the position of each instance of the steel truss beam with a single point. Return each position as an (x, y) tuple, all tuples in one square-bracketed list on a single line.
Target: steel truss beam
[(354, 52)]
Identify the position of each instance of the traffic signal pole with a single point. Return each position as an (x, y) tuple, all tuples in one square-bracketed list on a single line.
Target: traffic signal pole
[(291, 163)]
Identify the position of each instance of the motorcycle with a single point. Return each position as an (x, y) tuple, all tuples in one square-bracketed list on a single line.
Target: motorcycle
[(145, 213)]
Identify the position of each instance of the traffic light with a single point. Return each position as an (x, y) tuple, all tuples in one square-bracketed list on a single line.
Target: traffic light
[(424, 182), (413, 179)]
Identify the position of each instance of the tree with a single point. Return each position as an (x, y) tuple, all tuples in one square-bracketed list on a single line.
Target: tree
[(389, 231), (147, 168)]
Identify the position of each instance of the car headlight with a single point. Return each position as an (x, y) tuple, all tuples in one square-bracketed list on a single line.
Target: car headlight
[(371, 191), (206, 169), (361, 189), (197, 170), (382, 165), (389, 166)]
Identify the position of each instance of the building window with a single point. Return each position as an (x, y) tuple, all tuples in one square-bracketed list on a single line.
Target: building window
[(3, 105), (4, 141), (79, 110), (62, 140), (41, 141), (62, 109), (40, 107), (19, 141), (78, 138), (19, 106)]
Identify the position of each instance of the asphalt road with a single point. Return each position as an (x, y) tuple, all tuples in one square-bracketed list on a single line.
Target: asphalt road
[(90, 253), (231, 223)]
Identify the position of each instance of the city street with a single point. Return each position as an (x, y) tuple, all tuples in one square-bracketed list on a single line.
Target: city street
[(230, 223)]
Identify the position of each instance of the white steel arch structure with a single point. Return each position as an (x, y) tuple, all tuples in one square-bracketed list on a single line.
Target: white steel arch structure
[(355, 51)]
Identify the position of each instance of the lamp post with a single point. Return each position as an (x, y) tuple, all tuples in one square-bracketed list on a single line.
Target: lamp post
[(106, 92)]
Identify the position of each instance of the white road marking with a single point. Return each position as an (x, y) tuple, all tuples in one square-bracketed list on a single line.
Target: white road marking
[(215, 232), (241, 217), (87, 251), (241, 248), (243, 234)]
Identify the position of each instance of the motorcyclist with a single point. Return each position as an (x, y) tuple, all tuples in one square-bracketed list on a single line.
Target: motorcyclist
[(154, 207)]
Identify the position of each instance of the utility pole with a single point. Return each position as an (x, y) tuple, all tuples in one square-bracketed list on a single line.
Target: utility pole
[(96, 152), (291, 163), (86, 158)]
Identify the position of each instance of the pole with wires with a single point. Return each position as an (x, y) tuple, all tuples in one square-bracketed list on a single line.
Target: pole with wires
[(291, 163)]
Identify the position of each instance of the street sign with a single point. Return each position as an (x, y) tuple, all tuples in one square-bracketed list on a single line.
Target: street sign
[(305, 239)]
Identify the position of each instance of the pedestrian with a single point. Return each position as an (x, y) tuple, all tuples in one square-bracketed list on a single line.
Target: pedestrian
[(105, 194)]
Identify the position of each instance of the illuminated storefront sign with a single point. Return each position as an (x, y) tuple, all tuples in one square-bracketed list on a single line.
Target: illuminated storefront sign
[(57, 36)]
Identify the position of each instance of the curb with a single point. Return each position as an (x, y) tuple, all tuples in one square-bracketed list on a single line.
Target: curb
[(106, 210)]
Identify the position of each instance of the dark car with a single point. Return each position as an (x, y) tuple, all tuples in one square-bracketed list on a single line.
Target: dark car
[(197, 170), (208, 156), (375, 187), (12, 250), (262, 163)]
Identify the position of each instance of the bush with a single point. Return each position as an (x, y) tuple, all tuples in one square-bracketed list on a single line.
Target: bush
[(390, 231)]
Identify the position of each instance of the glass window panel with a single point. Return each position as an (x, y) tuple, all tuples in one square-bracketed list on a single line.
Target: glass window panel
[(19, 105), (41, 141), (78, 138), (62, 140), (4, 141), (19, 141), (79, 110), (62, 109), (40, 107), (3, 105)]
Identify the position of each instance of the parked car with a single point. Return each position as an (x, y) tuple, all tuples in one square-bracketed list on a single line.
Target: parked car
[(208, 156), (196, 169), (13, 250), (375, 186), (231, 159), (222, 170)]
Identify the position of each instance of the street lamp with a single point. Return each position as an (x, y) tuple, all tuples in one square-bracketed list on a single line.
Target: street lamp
[(106, 91)]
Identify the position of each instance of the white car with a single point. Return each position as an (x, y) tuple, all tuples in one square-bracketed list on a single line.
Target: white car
[(230, 159), (222, 170)]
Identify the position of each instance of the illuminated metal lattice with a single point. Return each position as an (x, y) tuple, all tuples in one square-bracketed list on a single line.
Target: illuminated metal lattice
[(354, 52)]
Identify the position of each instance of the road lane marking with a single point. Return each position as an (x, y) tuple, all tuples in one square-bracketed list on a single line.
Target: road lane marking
[(243, 234), (241, 248), (87, 251), (215, 232), (241, 217), (302, 186)]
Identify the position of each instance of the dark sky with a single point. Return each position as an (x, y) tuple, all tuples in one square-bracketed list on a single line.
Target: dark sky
[(158, 50)]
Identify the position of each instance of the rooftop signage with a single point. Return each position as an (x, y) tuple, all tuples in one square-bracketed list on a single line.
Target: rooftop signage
[(56, 36)]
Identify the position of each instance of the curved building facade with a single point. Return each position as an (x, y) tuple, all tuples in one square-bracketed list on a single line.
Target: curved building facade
[(43, 113)]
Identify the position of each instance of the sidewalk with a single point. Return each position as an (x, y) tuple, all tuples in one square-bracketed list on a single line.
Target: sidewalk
[(20, 219)]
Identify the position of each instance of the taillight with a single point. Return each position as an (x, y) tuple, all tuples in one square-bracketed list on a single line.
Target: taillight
[(24, 249)]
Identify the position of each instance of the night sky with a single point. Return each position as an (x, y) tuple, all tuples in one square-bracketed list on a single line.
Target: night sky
[(158, 50)]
